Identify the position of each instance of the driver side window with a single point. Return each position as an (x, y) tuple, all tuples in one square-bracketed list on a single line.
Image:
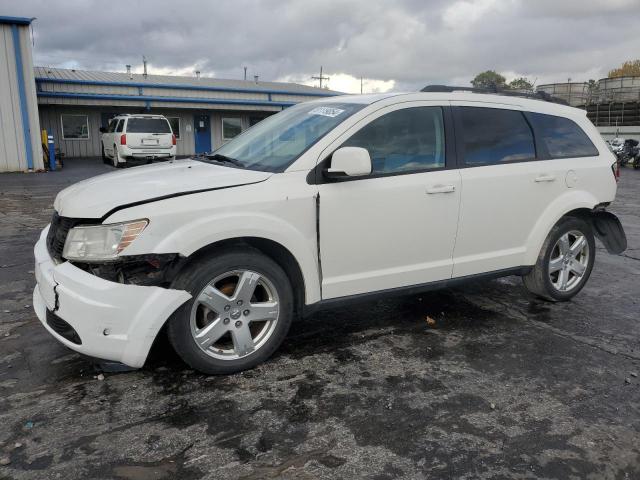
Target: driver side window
[(406, 140)]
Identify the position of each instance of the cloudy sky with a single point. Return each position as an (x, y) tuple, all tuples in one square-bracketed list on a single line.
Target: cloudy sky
[(393, 45)]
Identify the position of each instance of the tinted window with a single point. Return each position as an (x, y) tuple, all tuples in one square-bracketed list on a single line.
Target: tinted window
[(148, 125), (491, 136), (112, 125), (562, 137), (404, 140), (120, 126)]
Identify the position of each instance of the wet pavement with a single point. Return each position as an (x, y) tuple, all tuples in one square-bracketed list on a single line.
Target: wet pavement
[(481, 381)]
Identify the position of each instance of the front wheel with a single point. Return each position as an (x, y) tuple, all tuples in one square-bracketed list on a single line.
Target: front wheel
[(239, 314), (565, 261)]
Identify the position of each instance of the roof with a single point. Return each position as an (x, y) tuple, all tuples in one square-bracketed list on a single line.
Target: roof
[(88, 77), (16, 20)]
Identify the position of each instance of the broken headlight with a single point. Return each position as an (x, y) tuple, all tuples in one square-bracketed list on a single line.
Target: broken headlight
[(97, 243)]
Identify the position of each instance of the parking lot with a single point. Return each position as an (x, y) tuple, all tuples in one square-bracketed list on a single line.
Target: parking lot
[(481, 381)]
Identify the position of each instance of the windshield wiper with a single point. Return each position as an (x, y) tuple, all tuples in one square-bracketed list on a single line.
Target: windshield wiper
[(224, 159)]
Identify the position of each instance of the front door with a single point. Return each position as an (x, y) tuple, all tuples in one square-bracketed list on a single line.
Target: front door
[(397, 226), (202, 133)]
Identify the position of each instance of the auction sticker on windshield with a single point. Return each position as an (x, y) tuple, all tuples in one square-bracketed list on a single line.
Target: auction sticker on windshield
[(326, 111)]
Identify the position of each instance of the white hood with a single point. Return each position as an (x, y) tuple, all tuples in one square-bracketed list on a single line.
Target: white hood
[(94, 197)]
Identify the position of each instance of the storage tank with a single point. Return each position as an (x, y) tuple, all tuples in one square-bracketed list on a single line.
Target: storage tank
[(619, 89), (574, 93)]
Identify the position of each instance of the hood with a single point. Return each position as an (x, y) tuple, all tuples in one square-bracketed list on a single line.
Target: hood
[(95, 197)]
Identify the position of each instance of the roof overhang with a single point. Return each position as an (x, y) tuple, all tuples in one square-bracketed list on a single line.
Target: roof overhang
[(16, 20)]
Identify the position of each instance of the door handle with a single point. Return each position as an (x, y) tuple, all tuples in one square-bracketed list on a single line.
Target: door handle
[(545, 178), (441, 189)]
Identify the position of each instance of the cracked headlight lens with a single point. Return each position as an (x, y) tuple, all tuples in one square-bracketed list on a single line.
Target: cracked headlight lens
[(101, 242)]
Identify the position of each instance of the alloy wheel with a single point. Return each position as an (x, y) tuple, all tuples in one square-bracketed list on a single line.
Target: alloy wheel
[(568, 261), (235, 314)]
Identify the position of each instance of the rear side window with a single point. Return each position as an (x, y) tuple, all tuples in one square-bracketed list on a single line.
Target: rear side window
[(562, 137), (406, 140), (148, 125), (492, 136), (120, 126)]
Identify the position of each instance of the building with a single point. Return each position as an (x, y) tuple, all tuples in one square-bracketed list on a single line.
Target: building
[(20, 143), (204, 112)]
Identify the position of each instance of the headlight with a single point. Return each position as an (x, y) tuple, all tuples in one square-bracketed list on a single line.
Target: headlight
[(101, 242)]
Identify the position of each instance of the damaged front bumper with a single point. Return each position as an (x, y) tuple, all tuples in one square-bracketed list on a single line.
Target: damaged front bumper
[(97, 317)]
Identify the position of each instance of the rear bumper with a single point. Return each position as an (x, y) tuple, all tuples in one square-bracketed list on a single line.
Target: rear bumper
[(112, 321), (147, 153)]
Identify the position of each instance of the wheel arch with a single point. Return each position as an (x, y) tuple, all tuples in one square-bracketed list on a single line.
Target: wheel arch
[(577, 204), (270, 248)]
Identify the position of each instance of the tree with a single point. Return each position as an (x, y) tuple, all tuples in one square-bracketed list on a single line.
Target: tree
[(489, 79), (630, 68), (521, 84)]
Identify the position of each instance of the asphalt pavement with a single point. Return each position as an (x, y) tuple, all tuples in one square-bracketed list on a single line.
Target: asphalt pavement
[(481, 381)]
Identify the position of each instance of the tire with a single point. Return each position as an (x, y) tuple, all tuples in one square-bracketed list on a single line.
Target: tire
[(545, 280), (228, 312)]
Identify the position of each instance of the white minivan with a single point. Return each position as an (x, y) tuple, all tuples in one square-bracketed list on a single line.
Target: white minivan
[(334, 200), (139, 136)]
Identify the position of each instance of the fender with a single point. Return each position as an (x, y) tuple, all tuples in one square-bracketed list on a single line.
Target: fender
[(570, 200), (202, 231)]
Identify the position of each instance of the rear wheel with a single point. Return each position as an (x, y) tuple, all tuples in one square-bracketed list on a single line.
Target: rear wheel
[(240, 312), (565, 261)]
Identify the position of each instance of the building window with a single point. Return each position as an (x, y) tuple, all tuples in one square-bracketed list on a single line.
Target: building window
[(254, 120), (231, 127), (175, 125), (75, 127)]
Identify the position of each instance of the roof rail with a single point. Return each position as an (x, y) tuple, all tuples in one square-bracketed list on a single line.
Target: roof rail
[(537, 95)]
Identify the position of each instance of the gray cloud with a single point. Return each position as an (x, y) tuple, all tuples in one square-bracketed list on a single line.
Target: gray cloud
[(412, 42)]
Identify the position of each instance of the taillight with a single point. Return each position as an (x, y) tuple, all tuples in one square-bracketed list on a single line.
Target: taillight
[(173, 138), (615, 168), (123, 139)]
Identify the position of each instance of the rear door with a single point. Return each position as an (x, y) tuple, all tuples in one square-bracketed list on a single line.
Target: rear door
[(505, 189), (148, 133)]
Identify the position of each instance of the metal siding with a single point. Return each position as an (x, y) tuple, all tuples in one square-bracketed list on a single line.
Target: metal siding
[(31, 97), (19, 162), (9, 149)]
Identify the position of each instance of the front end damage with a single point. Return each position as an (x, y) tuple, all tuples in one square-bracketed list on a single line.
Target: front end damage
[(111, 312)]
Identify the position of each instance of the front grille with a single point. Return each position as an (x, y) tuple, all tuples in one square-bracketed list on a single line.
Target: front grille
[(62, 328), (58, 232)]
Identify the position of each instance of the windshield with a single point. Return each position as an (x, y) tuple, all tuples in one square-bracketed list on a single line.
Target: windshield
[(148, 125), (275, 143)]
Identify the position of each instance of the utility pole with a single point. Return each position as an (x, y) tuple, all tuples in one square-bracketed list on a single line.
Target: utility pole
[(144, 66), (245, 74), (321, 77), (361, 86)]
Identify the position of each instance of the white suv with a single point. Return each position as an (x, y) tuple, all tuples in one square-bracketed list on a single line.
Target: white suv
[(328, 201), (138, 136)]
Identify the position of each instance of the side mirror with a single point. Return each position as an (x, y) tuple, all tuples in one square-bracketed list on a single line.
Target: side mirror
[(103, 130), (349, 162)]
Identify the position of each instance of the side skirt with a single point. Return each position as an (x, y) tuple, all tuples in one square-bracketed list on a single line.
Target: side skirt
[(412, 289)]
